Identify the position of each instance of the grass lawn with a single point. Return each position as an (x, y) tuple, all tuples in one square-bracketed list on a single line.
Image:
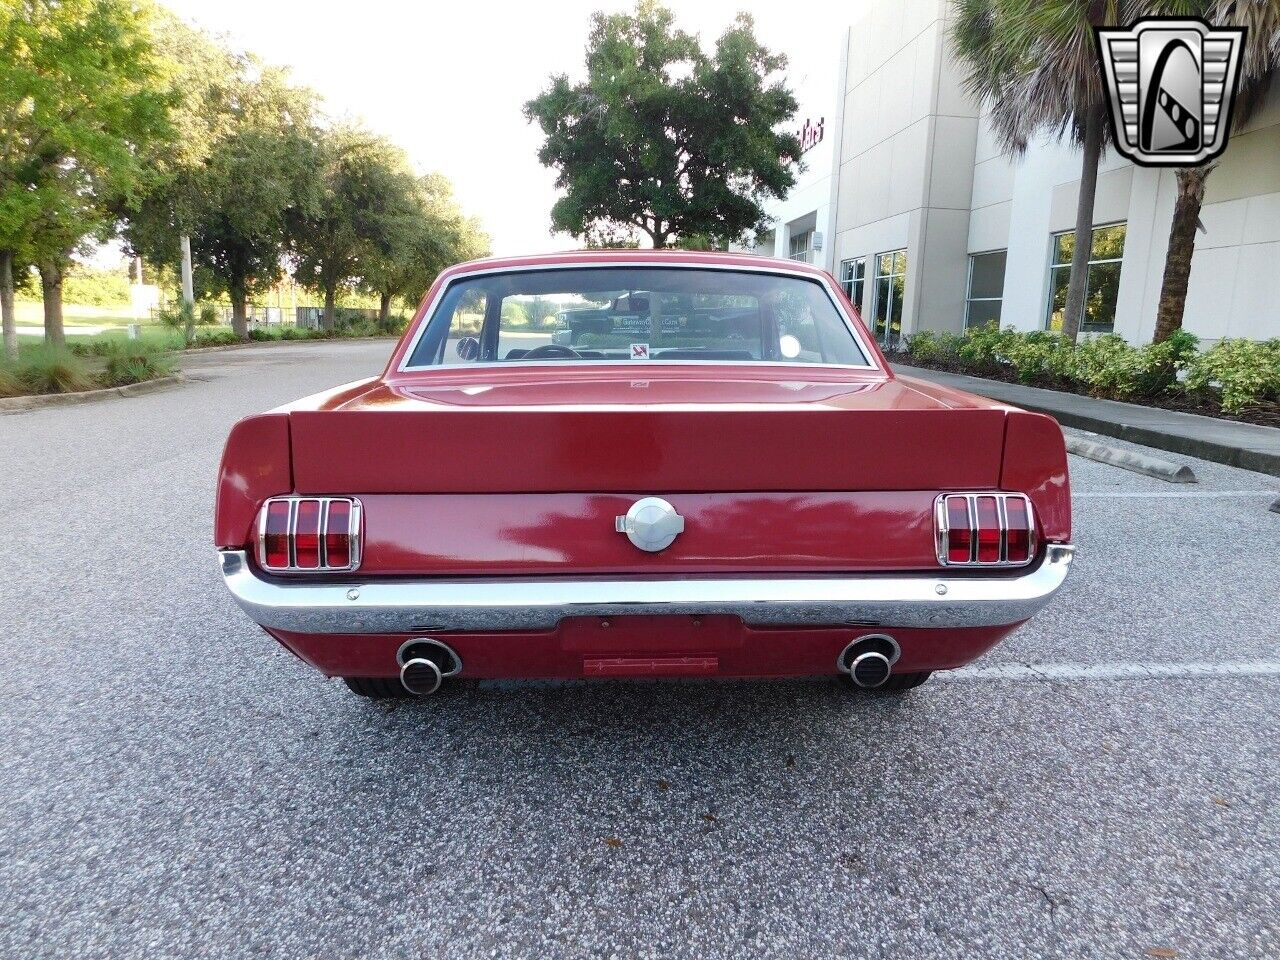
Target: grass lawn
[(32, 314), (150, 331)]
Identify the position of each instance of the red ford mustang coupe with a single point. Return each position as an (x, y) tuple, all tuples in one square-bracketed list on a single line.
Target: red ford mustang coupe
[(640, 464)]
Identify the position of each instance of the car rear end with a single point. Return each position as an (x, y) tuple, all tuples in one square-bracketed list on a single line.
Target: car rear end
[(475, 523)]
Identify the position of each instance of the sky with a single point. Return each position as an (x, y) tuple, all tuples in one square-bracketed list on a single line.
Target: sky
[(447, 82)]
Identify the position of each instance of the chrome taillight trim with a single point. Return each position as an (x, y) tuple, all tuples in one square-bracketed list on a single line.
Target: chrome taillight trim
[(355, 518), (942, 528)]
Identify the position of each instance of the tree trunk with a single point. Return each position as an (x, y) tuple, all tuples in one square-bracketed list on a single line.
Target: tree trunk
[(1084, 225), (330, 311), (1182, 245), (10, 323), (384, 308), (51, 294), (239, 309)]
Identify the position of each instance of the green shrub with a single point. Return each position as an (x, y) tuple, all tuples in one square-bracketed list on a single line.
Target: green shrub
[(45, 369), (174, 317), (986, 348), (1245, 373), (136, 361), (1040, 356), (215, 338), (264, 334), (395, 325), (10, 385), (208, 315), (97, 346), (923, 346), (930, 347), (514, 314)]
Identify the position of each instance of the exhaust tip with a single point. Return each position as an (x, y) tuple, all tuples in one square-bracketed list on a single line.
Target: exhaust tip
[(870, 669), (869, 660), (421, 677)]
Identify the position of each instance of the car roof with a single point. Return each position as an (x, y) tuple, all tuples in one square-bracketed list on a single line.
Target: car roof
[(632, 257)]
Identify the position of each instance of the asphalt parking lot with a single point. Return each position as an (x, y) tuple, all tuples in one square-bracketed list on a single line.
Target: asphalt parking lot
[(172, 784)]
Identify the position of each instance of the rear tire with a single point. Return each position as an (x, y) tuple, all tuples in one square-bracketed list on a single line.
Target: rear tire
[(377, 688), (897, 682)]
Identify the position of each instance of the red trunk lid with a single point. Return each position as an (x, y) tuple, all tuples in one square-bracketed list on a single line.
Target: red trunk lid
[(657, 430)]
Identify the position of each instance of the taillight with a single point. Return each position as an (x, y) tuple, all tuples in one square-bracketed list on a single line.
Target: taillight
[(1019, 530), (959, 538), (274, 533), (309, 533), (984, 529)]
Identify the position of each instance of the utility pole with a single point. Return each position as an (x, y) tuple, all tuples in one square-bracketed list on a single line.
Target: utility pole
[(188, 290)]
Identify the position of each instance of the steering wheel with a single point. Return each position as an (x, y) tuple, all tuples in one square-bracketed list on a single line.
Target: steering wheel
[(552, 351)]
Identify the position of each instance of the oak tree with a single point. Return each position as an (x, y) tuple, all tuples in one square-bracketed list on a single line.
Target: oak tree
[(664, 138)]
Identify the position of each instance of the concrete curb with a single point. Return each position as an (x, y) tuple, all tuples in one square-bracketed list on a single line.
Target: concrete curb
[(41, 400), (1193, 437), (1128, 460)]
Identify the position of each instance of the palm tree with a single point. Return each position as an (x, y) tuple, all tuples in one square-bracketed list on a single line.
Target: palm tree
[(1259, 64), (1036, 63)]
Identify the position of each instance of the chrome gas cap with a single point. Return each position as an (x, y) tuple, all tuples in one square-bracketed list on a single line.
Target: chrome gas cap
[(651, 524)]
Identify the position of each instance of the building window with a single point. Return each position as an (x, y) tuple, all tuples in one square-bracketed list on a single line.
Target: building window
[(801, 245), (1101, 285), (986, 288), (891, 285), (853, 274)]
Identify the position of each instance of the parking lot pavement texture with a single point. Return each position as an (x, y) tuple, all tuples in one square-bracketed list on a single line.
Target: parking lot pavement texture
[(172, 784)]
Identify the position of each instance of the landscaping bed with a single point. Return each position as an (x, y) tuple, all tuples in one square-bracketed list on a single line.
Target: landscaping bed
[(1234, 380), (106, 361)]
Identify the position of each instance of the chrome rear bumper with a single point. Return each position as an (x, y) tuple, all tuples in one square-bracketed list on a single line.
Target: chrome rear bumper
[(493, 604)]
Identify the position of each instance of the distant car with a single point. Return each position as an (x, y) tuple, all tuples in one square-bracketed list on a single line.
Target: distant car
[(737, 486)]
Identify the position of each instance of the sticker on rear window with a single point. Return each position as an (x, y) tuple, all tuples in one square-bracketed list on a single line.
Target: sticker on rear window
[(639, 351)]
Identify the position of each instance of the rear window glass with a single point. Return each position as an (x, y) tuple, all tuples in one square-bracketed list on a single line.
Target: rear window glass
[(634, 315)]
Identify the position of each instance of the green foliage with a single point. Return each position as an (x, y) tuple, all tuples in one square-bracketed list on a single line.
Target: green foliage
[(514, 314), (415, 236), (985, 347), (216, 338), (81, 107), (664, 138), (47, 369), (174, 317), (1239, 373), (136, 361), (88, 287), (10, 383), (242, 169), (1041, 357), (208, 315), (1245, 372)]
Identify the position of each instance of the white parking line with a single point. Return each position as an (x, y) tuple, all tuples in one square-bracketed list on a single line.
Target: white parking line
[(1115, 671), (1169, 494)]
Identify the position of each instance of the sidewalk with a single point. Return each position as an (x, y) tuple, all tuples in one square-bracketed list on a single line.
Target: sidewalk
[(1242, 445)]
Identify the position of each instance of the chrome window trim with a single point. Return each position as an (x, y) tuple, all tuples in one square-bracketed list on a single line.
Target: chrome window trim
[(777, 269), (942, 527), (963, 599), (354, 526)]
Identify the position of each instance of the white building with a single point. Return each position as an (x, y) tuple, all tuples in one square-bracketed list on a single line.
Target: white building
[(802, 221), (933, 228)]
